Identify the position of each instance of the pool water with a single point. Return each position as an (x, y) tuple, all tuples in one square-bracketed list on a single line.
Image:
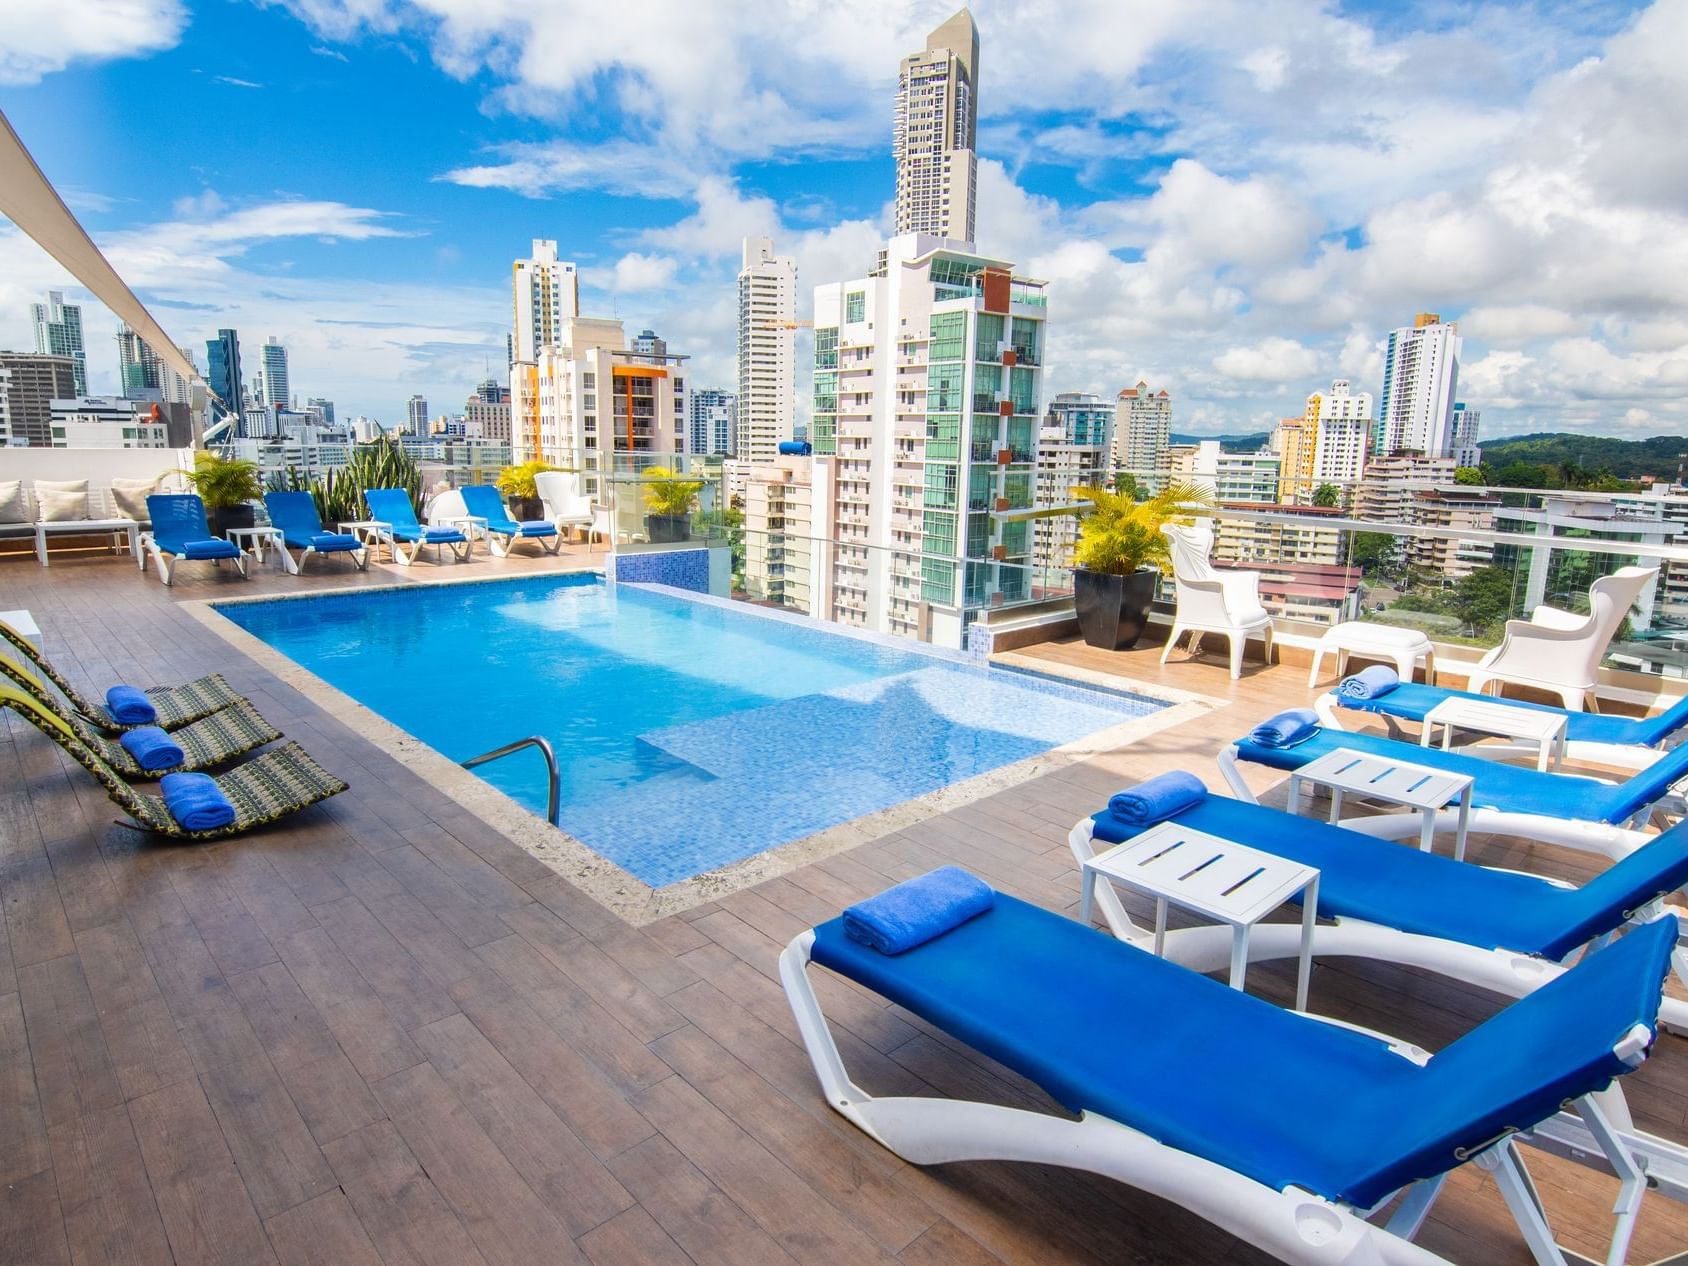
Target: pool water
[(689, 735)]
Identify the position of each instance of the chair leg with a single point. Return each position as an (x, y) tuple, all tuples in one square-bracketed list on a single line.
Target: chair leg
[(1266, 650), (1238, 640), (1171, 641)]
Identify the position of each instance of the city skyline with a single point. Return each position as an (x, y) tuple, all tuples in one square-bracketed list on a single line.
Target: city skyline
[(1190, 249)]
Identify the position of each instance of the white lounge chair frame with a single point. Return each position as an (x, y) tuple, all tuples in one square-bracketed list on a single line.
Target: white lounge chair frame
[(1612, 755), (1294, 1225), (291, 565), (1558, 651), (167, 561), (1591, 837), (459, 549), (1213, 601)]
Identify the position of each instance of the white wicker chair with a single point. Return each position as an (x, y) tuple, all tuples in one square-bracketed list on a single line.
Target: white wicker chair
[(1212, 601)]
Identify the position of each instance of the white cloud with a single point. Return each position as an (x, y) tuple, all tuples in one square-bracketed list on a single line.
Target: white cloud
[(37, 39), (635, 272), (1270, 360)]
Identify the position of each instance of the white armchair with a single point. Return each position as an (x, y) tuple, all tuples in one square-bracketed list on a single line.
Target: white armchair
[(1559, 651), (565, 505), (1212, 601)]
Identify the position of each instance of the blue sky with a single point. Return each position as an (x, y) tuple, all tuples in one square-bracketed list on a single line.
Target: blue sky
[(1235, 201)]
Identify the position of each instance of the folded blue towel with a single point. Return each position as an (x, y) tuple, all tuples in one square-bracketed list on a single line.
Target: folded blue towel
[(1157, 799), (1369, 683), (129, 705), (538, 527), (152, 748), (916, 910), (196, 802), (209, 549), (1296, 725)]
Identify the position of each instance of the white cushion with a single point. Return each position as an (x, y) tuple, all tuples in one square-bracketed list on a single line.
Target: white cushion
[(61, 501), (130, 496), (11, 502), (1358, 635)]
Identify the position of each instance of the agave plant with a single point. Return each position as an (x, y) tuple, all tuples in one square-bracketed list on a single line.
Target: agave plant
[(381, 463)]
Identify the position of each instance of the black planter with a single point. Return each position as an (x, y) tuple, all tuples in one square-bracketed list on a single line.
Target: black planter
[(235, 516), (525, 509), (1113, 610), (662, 529)]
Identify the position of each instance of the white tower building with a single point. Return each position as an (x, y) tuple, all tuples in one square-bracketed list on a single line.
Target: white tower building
[(546, 292), (1142, 430), (275, 374), (767, 351), (1420, 381), (935, 132)]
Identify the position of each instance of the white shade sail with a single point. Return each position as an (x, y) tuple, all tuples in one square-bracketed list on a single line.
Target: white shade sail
[(31, 203)]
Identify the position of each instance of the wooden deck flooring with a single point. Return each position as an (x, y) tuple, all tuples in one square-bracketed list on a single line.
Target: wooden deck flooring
[(384, 1034)]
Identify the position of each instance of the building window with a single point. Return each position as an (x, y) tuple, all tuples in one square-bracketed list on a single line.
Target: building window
[(855, 306)]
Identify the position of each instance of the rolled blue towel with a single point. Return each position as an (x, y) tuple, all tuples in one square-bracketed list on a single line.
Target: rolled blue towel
[(1157, 799), (208, 549), (129, 705), (1295, 725), (152, 748), (1369, 683), (916, 910), (196, 802), (534, 527)]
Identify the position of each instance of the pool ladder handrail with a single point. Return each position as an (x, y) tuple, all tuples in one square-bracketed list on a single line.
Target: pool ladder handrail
[(545, 750)]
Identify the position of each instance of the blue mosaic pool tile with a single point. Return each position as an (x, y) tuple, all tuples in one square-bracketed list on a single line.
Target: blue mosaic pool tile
[(681, 569)]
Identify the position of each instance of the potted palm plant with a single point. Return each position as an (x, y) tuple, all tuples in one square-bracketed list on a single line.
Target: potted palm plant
[(516, 484), (227, 486), (1120, 547), (669, 498)]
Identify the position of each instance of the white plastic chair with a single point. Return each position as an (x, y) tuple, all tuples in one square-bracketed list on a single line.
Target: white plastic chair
[(565, 505), (1212, 601), (1560, 652)]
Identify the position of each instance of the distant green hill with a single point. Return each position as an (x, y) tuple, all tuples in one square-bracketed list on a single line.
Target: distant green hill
[(1627, 459), (1229, 443)]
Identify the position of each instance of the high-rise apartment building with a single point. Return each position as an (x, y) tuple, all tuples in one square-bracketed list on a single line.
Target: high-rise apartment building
[(416, 415), (711, 419), (322, 409), (34, 382), (935, 132), (927, 404), (138, 365), (781, 552), (1462, 444), (1420, 381), (1072, 453), (545, 292), (1327, 444), (583, 399), (1142, 429), (486, 414), (1248, 477), (58, 332), (274, 393), (223, 373), (649, 346), (767, 351)]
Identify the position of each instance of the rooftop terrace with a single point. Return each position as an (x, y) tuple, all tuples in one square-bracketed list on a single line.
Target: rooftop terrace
[(382, 1032)]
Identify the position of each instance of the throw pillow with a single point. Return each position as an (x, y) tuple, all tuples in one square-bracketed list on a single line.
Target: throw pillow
[(11, 502), (131, 497), (62, 500)]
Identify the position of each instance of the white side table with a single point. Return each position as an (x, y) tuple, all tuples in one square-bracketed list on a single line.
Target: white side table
[(1545, 729), (1218, 878), (255, 539), (371, 532), (472, 526), (23, 624), (1419, 787)]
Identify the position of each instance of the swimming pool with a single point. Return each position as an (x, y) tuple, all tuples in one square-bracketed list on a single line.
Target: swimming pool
[(691, 735)]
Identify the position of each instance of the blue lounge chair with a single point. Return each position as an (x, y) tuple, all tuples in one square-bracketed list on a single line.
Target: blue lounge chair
[(179, 531), (483, 502), (392, 507), (1280, 1128), (294, 515), (1498, 929), (1600, 739), (1566, 809)]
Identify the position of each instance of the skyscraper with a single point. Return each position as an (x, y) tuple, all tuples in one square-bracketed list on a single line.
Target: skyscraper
[(34, 382), (648, 343), (1420, 380), (935, 132), (322, 408), (138, 366), (1142, 429), (275, 394), (710, 424), (58, 332), (545, 292), (1462, 439), (767, 351), (223, 372), (1072, 452), (486, 414), (416, 415), (1327, 444)]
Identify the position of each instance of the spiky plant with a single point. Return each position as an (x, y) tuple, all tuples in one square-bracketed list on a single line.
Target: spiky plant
[(668, 493), (1119, 536), (381, 463)]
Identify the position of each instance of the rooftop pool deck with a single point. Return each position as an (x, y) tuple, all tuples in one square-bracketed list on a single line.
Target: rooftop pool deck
[(384, 1029)]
